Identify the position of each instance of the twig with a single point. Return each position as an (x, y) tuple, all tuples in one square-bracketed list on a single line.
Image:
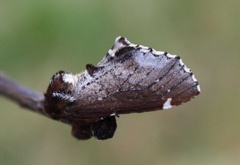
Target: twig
[(22, 95)]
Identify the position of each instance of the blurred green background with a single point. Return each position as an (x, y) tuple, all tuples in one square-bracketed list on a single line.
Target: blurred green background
[(40, 37)]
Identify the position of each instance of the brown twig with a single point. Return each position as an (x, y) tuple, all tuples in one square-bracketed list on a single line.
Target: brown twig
[(22, 95)]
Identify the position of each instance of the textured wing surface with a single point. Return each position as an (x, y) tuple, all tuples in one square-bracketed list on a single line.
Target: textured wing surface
[(133, 78)]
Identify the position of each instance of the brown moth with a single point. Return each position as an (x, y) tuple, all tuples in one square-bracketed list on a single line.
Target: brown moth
[(130, 79)]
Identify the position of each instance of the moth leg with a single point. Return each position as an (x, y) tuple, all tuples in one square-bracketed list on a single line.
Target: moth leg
[(81, 132), (105, 128)]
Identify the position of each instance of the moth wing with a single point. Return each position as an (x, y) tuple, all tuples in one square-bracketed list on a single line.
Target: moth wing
[(137, 79)]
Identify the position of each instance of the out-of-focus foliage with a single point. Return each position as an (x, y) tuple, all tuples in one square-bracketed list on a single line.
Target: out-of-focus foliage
[(38, 38)]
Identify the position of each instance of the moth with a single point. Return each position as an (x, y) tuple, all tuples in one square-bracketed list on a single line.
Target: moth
[(130, 79)]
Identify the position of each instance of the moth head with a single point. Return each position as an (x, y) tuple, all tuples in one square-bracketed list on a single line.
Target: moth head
[(59, 93)]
